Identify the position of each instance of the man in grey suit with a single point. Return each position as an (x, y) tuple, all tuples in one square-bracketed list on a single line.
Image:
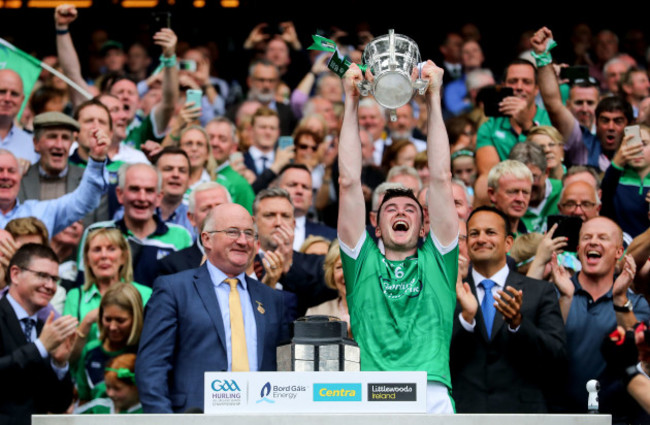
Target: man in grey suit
[(51, 177)]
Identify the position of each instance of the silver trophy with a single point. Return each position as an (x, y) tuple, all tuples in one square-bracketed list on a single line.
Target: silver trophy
[(319, 343), (394, 61)]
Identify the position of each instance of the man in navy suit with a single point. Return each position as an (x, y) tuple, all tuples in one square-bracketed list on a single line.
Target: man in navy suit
[(296, 179), (508, 345), (194, 323), (33, 355)]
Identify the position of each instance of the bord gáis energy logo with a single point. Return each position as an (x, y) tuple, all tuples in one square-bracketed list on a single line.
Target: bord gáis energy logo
[(264, 393), (337, 392), (271, 393)]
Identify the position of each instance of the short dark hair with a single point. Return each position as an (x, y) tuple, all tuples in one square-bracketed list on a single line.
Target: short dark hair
[(94, 102), (26, 253), (489, 208), (519, 61), (399, 193), (615, 104), (171, 150), (111, 79), (41, 96), (293, 167)]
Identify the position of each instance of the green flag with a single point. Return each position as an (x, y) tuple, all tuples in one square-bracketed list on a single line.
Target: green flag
[(28, 67)]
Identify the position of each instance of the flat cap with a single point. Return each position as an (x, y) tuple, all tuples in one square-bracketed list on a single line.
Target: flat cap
[(55, 119)]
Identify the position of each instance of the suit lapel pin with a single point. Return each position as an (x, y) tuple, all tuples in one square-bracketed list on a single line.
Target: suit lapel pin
[(260, 308)]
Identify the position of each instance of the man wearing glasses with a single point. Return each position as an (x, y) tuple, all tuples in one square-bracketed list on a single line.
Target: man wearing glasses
[(579, 199), (33, 351), (213, 318), (263, 80)]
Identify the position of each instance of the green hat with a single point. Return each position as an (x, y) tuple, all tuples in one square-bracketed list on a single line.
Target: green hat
[(55, 119), (109, 45)]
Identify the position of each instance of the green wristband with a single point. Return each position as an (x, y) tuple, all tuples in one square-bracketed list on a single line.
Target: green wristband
[(168, 62), (543, 59)]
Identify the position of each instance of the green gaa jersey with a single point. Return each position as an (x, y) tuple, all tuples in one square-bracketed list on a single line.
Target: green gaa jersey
[(402, 312)]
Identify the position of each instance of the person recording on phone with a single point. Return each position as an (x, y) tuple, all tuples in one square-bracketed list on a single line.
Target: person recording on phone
[(624, 191), (582, 147), (195, 73), (499, 134), (579, 200)]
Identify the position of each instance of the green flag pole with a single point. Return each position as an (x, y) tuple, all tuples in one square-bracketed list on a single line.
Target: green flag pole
[(29, 69)]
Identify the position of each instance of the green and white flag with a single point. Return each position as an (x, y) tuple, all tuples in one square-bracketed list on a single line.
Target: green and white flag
[(28, 67), (337, 63)]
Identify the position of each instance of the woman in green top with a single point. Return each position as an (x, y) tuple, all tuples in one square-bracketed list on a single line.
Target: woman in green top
[(107, 260), (120, 325), (120, 385)]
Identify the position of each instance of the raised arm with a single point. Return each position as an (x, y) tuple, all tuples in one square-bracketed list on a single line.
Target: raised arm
[(64, 15), (85, 198), (560, 115), (442, 212), (165, 110), (352, 207)]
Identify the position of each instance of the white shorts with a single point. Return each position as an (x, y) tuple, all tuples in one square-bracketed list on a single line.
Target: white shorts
[(438, 400)]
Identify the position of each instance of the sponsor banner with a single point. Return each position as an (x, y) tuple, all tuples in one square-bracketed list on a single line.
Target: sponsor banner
[(315, 392), (392, 392), (337, 392)]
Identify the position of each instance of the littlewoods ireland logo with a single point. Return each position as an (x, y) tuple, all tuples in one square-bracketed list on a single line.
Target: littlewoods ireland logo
[(392, 392), (337, 392), (266, 390)]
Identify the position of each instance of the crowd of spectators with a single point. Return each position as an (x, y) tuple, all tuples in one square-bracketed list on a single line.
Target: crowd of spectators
[(105, 189)]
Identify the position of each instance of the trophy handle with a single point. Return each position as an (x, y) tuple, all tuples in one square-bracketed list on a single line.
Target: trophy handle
[(393, 115), (392, 63), (420, 85), (364, 87)]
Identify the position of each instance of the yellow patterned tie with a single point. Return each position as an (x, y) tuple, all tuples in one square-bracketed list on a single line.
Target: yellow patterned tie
[(237, 333)]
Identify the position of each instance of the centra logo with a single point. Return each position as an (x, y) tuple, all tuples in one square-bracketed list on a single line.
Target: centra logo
[(337, 392), (225, 385)]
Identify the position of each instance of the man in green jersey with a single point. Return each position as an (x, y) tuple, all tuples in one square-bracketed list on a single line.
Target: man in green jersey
[(402, 303)]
